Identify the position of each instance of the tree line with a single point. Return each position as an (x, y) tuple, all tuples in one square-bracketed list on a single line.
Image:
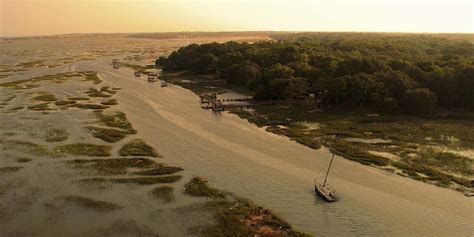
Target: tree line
[(414, 73)]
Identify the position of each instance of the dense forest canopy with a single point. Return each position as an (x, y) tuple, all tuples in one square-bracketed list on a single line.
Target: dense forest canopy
[(414, 73)]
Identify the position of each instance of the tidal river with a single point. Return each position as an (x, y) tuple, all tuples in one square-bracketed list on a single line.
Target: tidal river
[(278, 173)]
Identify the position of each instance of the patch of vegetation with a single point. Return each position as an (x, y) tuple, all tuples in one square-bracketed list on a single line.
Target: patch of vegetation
[(23, 159), (137, 180), (147, 180), (448, 162), (296, 133), (108, 90), (162, 170), (92, 77), (198, 187), (235, 216), (89, 106), (83, 149), (57, 78), (138, 147), (116, 120), (77, 98), (242, 218), (110, 102), (111, 166), (432, 175), (164, 193), (40, 107), (406, 133), (92, 92), (23, 146), (108, 134), (56, 135), (17, 108), (31, 64), (352, 152), (64, 102), (45, 98), (5, 170), (309, 142), (89, 203)]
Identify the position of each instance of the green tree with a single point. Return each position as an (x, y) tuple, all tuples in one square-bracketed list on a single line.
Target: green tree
[(297, 86), (419, 101), (278, 71)]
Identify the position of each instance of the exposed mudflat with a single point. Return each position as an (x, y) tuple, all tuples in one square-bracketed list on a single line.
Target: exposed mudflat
[(49, 187)]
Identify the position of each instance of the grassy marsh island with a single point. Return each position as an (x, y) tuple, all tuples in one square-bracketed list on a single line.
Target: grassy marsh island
[(235, 216)]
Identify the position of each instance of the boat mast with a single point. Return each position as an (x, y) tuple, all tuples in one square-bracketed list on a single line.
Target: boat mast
[(330, 163), (327, 173)]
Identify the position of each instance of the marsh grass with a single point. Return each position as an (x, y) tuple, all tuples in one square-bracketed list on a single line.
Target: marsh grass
[(408, 135), (352, 152), (6, 170), (162, 170), (448, 162), (57, 78), (17, 108), (92, 92), (23, 159), (111, 166), (45, 98), (234, 216), (56, 135), (64, 102), (83, 149), (31, 64), (116, 120), (40, 107), (77, 98), (25, 146), (164, 193), (107, 134), (108, 90), (136, 181), (110, 102), (89, 106), (198, 187), (89, 203), (138, 147)]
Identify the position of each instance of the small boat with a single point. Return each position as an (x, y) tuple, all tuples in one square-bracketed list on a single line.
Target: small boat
[(325, 192), (152, 77), (115, 63), (323, 189), (164, 83), (137, 73)]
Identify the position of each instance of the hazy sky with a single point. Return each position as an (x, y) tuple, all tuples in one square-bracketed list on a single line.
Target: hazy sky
[(30, 17)]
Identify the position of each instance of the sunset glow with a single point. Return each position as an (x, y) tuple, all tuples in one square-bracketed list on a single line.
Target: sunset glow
[(79, 16)]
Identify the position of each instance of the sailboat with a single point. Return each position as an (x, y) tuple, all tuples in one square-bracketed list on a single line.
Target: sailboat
[(323, 189)]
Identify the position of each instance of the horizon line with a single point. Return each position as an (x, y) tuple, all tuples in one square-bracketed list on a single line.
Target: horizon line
[(230, 31)]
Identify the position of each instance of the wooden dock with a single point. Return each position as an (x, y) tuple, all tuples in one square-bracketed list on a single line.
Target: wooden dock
[(218, 105)]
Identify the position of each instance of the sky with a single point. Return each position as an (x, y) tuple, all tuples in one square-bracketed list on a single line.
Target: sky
[(37, 17)]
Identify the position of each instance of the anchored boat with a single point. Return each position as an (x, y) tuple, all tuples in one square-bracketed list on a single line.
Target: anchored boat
[(152, 77), (164, 83), (323, 189)]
